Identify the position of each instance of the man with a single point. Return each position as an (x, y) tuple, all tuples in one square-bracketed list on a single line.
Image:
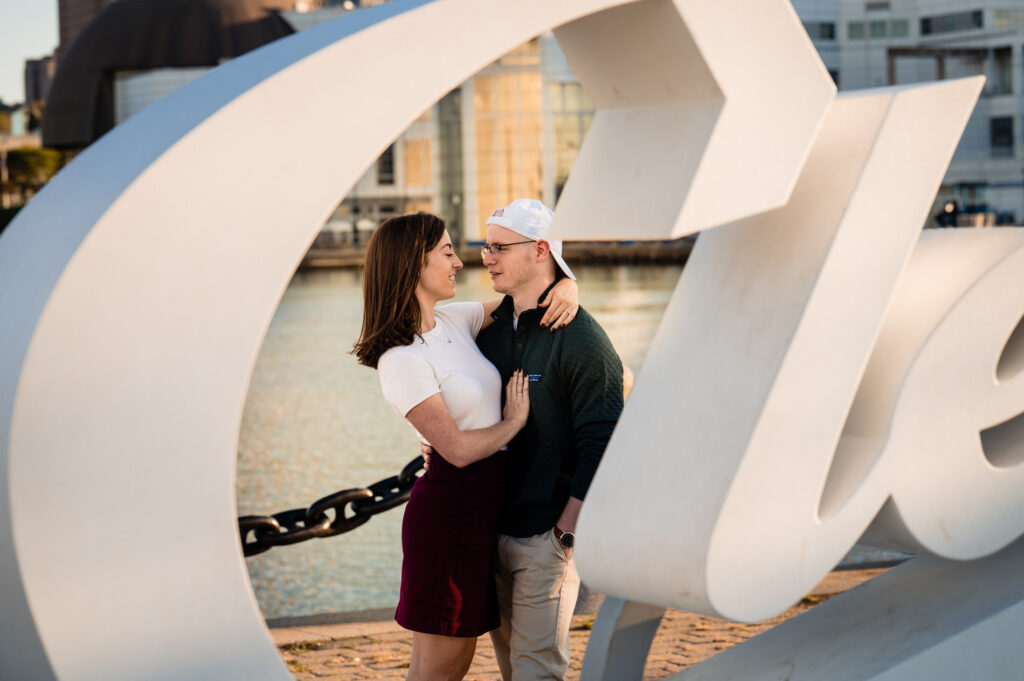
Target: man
[(575, 400)]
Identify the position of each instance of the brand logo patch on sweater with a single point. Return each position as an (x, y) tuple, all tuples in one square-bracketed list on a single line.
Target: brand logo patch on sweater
[(534, 378)]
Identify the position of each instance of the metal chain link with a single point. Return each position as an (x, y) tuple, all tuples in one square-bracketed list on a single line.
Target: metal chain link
[(301, 524)]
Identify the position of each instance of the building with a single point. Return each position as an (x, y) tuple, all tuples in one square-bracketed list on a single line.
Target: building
[(897, 42), (513, 129), (821, 21), (72, 17), (38, 76), (102, 73), (516, 127)]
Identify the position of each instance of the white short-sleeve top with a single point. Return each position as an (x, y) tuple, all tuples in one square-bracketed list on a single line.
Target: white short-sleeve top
[(445, 360)]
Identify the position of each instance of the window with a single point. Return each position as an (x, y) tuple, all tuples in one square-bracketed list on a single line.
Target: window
[(1001, 18), (899, 28), (417, 162), (876, 6), (386, 167), (877, 29), (855, 30), (949, 23), (1001, 136), (1002, 83), (820, 30)]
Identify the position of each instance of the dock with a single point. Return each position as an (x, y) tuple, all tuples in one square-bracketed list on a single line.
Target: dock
[(333, 254)]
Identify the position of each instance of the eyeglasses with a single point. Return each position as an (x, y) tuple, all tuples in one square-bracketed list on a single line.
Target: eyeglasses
[(497, 249)]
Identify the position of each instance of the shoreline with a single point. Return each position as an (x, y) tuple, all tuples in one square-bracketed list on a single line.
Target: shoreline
[(577, 253), (381, 649)]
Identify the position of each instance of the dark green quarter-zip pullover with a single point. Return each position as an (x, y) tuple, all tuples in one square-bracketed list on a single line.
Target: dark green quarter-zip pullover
[(575, 401)]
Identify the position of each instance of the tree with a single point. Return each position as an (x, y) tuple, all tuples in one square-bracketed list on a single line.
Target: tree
[(24, 171), (28, 169)]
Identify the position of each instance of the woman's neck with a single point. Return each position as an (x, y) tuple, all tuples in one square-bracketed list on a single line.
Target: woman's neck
[(426, 314)]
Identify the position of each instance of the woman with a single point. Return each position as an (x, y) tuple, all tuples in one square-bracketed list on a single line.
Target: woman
[(432, 374)]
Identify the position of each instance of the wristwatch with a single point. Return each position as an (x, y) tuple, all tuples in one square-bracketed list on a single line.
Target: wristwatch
[(566, 539)]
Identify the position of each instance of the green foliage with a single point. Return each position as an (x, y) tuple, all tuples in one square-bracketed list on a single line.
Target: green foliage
[(302, 646), (29, 168)]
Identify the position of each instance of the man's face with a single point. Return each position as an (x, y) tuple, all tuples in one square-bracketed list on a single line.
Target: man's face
[(515, 266)]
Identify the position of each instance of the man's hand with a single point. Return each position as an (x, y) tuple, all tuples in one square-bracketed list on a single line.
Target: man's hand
[(425, 451), (567, 521)]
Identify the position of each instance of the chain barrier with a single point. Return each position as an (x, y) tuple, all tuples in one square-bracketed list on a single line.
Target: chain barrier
[(301, 524)]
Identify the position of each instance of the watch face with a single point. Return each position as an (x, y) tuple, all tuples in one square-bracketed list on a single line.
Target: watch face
[(568, 539)]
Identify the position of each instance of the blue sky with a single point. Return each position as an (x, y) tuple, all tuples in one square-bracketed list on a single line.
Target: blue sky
[(28, 30)]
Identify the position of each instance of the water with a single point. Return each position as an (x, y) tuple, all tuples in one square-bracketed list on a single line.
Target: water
[(315, 422)]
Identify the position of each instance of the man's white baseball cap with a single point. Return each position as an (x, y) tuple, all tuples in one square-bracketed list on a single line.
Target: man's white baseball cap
[(531, 218)]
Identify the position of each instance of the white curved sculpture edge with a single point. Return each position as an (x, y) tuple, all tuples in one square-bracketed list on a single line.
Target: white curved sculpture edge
[(167, 300), (135, 289), (705, 114), (926, 619)]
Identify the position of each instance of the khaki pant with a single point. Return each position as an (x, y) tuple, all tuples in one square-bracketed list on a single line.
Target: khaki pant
[(537, 590)]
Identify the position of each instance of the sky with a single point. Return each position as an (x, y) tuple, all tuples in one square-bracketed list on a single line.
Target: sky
[(28, 30)]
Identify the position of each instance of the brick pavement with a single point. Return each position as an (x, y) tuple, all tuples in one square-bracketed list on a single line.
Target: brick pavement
[(381, 651)]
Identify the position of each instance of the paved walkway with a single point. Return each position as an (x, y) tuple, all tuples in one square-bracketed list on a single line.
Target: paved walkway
[(380, 650)]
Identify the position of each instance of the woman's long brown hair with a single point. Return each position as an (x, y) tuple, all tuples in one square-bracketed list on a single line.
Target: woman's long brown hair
[(394, 261)]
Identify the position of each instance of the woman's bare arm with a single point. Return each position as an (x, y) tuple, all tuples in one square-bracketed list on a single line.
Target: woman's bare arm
[(562, 303), (461, 448)]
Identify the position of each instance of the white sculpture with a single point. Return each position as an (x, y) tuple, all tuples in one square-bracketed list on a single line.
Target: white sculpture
[(134, 293), (693, 98), (776, 316)]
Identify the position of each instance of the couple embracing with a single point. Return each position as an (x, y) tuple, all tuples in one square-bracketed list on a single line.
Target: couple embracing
[(487, 537)]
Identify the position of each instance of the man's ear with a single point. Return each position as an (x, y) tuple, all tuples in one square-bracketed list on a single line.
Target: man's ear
[(543, 248)]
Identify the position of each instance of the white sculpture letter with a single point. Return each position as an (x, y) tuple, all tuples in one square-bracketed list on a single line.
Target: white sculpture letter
[(762, 350)]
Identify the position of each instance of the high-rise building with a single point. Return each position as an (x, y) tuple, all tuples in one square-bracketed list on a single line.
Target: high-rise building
[(38, 75)]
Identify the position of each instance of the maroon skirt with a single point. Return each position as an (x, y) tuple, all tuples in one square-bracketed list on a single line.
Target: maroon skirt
[(449, 535)]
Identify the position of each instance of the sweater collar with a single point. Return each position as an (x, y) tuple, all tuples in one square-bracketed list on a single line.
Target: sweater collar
[(506, 309)]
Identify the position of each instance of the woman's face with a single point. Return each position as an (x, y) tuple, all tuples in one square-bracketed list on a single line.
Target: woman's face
[(437, 280)]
